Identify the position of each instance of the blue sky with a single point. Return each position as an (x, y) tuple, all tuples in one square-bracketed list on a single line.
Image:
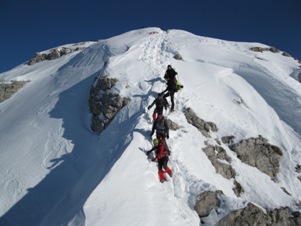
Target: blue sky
[(32, 26)]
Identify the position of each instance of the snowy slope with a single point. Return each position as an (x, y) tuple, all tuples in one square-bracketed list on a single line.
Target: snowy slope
[(55, 171)]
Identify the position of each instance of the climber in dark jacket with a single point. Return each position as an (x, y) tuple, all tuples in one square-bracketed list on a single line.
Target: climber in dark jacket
[(162, 158), (170, 74), (160, 103), (170, 77)]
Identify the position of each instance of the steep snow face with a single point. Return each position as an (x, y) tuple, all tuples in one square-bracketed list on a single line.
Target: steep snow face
[(54, 170)]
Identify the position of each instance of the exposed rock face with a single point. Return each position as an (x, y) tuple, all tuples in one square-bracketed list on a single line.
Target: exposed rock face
[(298, 168), (7, 90), (178, 56), (172, 125), (260, 49), (250, 215), (256, 152), (227, 139), (259, 153), (271, 49), (104, 104), (299, 76), (206, 202), (200, 124), (54, 54), (286, 54), (253, 215), (217, 153)]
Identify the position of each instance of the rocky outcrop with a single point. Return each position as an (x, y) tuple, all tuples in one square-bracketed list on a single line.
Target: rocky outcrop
[(104, 104), (286, 54), (216, 154), (259, 153), (261, 49), (178, 56), (299, 77), (206, 202), (228, 139), (203, 126), (253, 215), (221, 162), (271, 49), (8, 89), (53, 54), (172, 125)]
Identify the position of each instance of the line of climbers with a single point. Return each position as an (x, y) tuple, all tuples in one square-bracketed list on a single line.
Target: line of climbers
[(160, 124)]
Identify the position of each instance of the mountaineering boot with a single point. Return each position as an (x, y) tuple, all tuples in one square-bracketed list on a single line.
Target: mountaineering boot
[(168, 170), (161, 176)]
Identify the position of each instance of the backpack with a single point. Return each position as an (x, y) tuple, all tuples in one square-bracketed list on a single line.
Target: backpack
[(179, 86)]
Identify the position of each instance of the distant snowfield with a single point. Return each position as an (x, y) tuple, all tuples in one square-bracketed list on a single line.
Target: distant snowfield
[(55, 171)]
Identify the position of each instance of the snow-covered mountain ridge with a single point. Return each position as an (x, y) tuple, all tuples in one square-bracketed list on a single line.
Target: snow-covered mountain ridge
[(56, 171)]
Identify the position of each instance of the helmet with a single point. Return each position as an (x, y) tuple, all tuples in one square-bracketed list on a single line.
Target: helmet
[(156, 141), (169, 66)]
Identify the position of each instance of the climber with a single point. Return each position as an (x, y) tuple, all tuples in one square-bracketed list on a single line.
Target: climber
[(170, 77), (161, 157), (160, 103), (162, 128), (170, 74)]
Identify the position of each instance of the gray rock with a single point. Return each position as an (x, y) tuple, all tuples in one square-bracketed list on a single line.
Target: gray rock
[(54, 54), (298, 168), (253, 215), (206, 202), (261, 49), (286, 54), (103, 103), (259, 153), (8, 89), (217, 153), (203, 126), (173, 125), (178, 56), (228, 139), (250, 215), (238, 189)]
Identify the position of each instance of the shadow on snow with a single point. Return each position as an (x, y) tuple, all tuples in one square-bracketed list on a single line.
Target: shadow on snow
[(60, 196)]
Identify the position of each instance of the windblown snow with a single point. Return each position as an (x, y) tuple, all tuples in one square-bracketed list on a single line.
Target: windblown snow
[(56, 171)]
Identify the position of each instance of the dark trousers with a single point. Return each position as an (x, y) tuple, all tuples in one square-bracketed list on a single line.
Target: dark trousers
[(162, 163), (159, 111), (171, 94)]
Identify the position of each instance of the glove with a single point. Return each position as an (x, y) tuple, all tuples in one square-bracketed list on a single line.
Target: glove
[(167, 136), (148, 108)]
